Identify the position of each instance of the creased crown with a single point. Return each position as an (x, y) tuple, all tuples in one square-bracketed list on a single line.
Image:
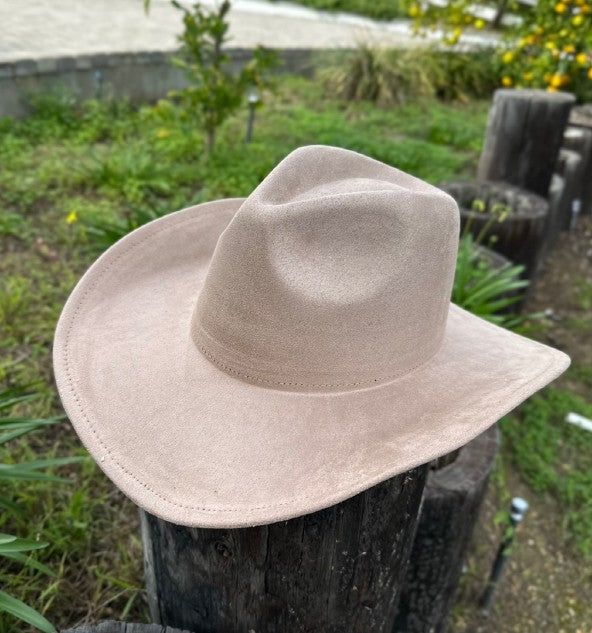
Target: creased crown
[(334, 274)]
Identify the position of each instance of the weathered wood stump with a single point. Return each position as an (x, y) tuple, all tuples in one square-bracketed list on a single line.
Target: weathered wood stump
[(336, 570), (520, 235), (123, 627), (579, 139), (451, 502), (524, 133), (570, 169)]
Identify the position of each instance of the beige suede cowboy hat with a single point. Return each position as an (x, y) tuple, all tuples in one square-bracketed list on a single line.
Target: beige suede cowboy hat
[(242, 362)]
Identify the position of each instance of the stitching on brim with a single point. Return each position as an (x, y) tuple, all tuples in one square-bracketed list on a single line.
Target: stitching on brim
[(115, 461)]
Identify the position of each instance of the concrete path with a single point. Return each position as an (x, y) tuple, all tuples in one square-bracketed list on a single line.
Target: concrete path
[(36, 29)]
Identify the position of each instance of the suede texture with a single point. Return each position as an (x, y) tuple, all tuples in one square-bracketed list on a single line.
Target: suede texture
[(244, 362)]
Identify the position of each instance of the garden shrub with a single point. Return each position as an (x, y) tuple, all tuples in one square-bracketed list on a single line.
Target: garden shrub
[(394, 76), (550, 46)]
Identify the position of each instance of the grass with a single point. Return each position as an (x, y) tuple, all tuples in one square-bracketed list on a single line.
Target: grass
[(377, 9), (68, 169), (555, 457)]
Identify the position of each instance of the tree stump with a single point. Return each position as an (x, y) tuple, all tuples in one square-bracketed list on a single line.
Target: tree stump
[(451, 502), (579, 139), (570, 170), (336, 570), (524, 133), (520, 236), (123, 627)]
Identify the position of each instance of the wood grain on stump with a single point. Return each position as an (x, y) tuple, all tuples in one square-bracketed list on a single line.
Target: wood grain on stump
[(520, 237), (123, 627), (578, 137), (332, 571), (524, 134), (452, 498)]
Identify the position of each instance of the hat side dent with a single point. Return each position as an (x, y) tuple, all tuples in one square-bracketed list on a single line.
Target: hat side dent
[(335, 273)]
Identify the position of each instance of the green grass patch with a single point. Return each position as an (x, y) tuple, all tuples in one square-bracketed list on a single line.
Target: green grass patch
[(556, 457), (376, 9)]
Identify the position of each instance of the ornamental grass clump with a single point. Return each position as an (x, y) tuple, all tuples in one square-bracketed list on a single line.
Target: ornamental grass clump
[(388, 76)]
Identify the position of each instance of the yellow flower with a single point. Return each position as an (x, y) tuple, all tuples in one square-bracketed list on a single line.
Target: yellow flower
[(585, 8), (163, 133), (560, 7), (414, 10), (540, 30), (551, 89), (581, 58), (569, 48), (479, 24), (506, 81), (557, 80), (527, 76), (577, 20), (589, 73), (457, 32), (71, 217), (507, 57)]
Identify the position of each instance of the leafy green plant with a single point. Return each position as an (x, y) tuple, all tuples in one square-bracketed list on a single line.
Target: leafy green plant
[(487, 291), (393, 76), (13, 548), (215, 91), (105, 233)]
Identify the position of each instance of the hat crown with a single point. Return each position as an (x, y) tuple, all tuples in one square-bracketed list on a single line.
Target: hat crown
[(335, 273)]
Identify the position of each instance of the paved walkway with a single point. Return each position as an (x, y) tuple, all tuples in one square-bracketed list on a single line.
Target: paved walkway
[(35, 29)]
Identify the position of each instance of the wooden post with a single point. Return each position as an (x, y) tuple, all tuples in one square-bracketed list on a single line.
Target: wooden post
[(123, 627), (452, 498), (520, 236), (571, 171), (524, 133), (579, 139), (332, 571)]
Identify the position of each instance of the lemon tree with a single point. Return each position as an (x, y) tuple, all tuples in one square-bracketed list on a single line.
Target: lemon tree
[(550, 47)]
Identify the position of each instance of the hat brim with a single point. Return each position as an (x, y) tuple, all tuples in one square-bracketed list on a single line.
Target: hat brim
[(196, 446)]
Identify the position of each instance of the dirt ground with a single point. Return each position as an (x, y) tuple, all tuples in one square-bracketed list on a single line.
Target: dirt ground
[(546, 586)]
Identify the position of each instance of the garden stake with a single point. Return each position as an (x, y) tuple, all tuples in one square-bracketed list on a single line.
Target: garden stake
[(253, 100), (99, 80), (518, 511)]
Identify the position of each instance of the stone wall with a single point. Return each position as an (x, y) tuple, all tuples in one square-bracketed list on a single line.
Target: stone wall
[(140, 77)]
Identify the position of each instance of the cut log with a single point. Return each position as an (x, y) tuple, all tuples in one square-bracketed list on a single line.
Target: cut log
[(452, 498), (579, 139), (332, 571), (570, 170), (524, 133), (123, 627), (520, 236)]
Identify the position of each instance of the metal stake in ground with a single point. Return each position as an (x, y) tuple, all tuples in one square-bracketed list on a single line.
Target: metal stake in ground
[(518, 511), (252, 100)]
